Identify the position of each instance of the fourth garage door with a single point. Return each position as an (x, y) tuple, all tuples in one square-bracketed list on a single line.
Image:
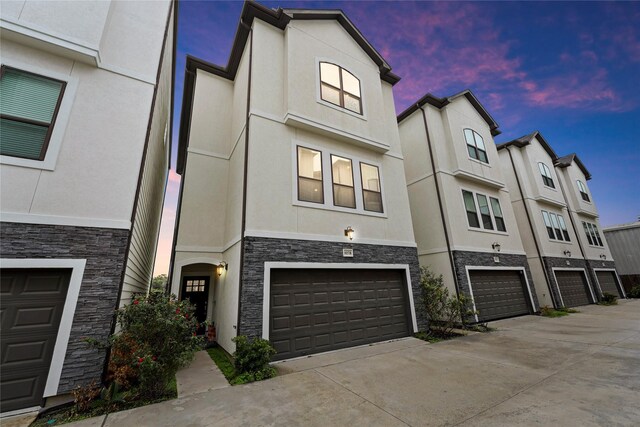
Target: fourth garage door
[(573, 288), (499, 294), (607, 281), (316, 310)]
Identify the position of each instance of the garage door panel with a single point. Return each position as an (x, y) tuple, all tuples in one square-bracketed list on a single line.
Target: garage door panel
[(32, 304), (573, 288), (608, 282), (354, 307), (499, 294)]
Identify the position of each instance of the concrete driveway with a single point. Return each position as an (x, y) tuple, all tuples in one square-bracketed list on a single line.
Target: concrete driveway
[(583, 369)]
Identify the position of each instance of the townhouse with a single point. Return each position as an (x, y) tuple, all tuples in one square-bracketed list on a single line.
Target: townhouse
[(463, 219), (86, 90), (293, 221)]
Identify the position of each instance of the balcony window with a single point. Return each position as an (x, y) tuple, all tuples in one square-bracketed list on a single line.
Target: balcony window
[(583, 191), (546, 175), (475, 146), (340, 87)]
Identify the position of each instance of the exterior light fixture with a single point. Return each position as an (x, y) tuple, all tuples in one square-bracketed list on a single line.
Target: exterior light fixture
[(567, 253), (223, 266), (349, 232), (495, 246), (603, 257)]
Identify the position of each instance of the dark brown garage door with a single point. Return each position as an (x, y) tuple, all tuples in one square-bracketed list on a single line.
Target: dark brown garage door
[(499, 294), (319, 310), (573, 288), (608, 282), (32, 304)]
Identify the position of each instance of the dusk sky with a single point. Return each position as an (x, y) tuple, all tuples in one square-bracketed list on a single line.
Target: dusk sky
[(569, 70)]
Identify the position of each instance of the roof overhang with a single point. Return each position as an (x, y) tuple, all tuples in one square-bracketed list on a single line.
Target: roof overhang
[(526, 140), (565, 161)]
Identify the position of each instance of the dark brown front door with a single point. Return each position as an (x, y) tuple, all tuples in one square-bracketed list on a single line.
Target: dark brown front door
[(319, 310), (608, 282), (573, 288), (196, 290), (32, 301), (499, 294)]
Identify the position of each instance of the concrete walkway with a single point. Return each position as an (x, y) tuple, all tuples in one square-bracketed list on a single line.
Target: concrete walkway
[(200, 376), (583, 369)]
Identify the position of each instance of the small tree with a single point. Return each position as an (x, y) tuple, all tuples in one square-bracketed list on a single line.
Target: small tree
[(159, 282), (441, 309)]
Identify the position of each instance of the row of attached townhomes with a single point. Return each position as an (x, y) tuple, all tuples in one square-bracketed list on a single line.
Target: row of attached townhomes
[(85, 104), (307, 206)]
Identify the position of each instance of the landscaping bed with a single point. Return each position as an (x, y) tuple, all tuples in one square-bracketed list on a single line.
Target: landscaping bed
[(249, 363)]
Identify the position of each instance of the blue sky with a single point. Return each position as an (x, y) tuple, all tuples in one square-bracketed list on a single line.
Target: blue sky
[(570, 70)]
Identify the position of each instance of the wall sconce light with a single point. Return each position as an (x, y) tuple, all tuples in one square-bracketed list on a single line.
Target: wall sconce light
[(349, 232), (223, 266), (495, 246), (603, 257), (567, 253)]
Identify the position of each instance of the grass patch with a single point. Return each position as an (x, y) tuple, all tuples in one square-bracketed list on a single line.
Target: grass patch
[(122, 401), (557, 312), (224, 362), (480, 327), (434, 336)]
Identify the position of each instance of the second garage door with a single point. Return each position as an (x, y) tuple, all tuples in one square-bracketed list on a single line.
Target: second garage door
[(316, 310), (573, 288), (499, 294), (608, 282)]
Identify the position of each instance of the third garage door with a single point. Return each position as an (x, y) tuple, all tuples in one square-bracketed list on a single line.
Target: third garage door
[(573, 288), (316, 310), (607, 281), (499, 294)]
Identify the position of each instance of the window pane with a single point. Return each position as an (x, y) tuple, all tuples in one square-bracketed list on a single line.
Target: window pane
[(344, 196), (479, 141), (352, 103), (28, 96), (556, 226), (470, 207), (372, 201), (473, 153), (21, 139), (483, 205), (341, 169), (350, 84), (468, 137), (482, 156), (586, 232), (330, 73), (370, 177), (497, 214), (595, 230), (547, 223), (310, 190), (330, 94), (563, 227), (309, 163), (542, 171)]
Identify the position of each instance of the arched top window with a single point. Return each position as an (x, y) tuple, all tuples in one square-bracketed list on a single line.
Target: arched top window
[(546, 175), (340, 87), (475, 145), (583, 191)]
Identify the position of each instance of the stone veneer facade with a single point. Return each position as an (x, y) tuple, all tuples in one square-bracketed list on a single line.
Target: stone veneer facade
[(105, 250), (462, 259), (259, 250)]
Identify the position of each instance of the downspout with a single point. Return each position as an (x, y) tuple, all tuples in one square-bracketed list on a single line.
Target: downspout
[(244, 184), (442, 217), (533, 232), (575, 230)]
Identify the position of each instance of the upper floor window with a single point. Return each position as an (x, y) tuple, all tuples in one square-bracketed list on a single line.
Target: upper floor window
[(546, 175), (28, 108), (310, 186), (340, 87), (490, 214), (593, 236), (475, 145), (556, 227), (371, 192), (343, 192), (583, 191)]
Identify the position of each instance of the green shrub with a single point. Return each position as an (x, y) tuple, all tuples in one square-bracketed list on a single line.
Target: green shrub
[(634, 292), (608, 299), (157, 337), (252, 358), (442, 310)]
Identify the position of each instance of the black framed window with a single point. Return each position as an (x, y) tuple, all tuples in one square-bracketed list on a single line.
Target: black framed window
[(475, 145), (483, 206), (587, 232), (342, 174), (497, 214), (371, 190), (29, 106), (593, 236), (548, 225), (310, 184), (563, 228), (470, 207), (340, 87), (583, 191), (546, 175)]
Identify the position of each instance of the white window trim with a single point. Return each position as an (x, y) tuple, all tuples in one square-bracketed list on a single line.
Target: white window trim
[(554, 180), (545, 227), (319, 99), (464, 137), (594, 235), (586, 191), (77, 267), (524, 273), (619, 284), (319, 265), (584, 273), (493, 219), (62, 119), (327, 181)]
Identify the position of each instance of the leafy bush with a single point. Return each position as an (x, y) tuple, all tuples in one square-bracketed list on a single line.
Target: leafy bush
[(634, 292), (157, 337), (443, 311), (608, 299), (251, 359)]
